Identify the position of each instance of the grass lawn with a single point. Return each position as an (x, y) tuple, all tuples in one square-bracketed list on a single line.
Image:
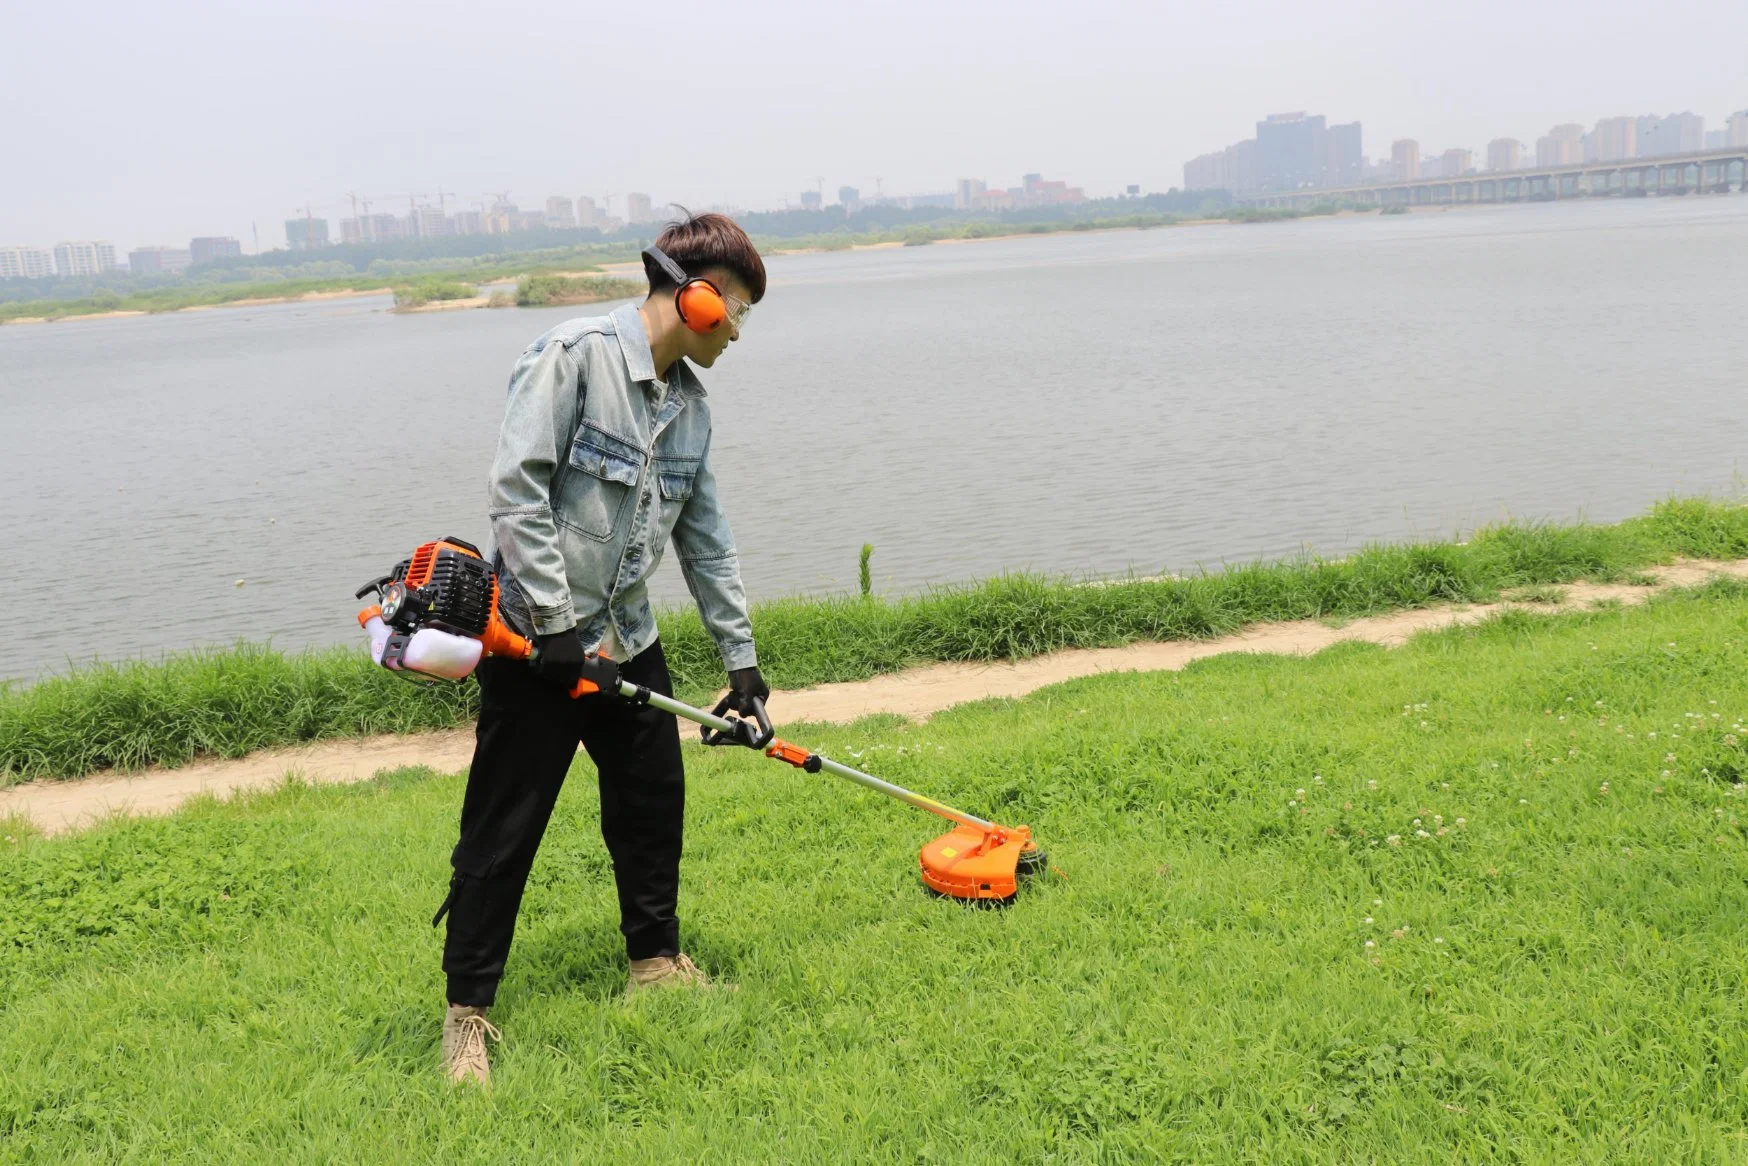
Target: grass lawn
[(1481, 898)]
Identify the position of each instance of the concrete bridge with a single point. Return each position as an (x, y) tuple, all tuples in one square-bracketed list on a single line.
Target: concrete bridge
[(1708, 171)]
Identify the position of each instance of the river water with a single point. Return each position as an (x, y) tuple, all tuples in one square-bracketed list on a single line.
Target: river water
[(1078, 404)]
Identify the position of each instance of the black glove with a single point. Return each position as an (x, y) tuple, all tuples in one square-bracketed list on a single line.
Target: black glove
[(744, 686), (559, 658)]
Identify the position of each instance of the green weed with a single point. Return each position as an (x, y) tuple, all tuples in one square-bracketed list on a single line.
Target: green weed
[(229, 702)]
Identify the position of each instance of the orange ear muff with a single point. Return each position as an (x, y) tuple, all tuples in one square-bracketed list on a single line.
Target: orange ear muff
[(700, 305)]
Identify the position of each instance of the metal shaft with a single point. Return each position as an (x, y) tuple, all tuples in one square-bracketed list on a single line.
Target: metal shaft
[(680, 709)]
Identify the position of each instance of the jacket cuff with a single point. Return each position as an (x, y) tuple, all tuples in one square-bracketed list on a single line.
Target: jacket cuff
[(740, 654), (549, 621)]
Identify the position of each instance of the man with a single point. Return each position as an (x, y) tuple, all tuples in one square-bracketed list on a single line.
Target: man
[(604, 456)]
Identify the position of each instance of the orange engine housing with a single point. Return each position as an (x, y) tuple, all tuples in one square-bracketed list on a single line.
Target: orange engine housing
[(498, 638)]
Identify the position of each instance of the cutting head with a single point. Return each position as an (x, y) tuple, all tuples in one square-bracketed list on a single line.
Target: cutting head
[(980, 865)]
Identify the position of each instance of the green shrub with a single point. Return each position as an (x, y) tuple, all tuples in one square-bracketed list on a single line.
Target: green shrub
[(426, 291), (554, 290)]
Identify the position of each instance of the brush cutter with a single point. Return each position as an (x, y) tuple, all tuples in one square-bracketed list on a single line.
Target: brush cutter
[(437, 617)]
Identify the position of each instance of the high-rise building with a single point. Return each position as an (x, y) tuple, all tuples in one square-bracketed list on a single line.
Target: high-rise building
[(26, 263), (637, 209), (1242, 166), (1736, 129), (560, 212), (305, 234), (1504, 154), (466, 223), (1205, 172), (810, 200), (430, 222), (1405, 159), (210, 247), (1613, 139), (1346, 164), (1232, 169), (372, 229), (1561, 146), (1678, 133), (1291, 151), (967, 191), (160, 260), (84, 257), (850, 198), (1456, 163), (586, 212)]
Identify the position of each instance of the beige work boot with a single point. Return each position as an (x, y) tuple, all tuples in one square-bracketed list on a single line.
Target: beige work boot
[(465, 1030), (665, 971)]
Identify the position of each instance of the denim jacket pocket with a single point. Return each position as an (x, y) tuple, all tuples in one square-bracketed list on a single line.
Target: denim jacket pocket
[(594, 499), (676, 477)]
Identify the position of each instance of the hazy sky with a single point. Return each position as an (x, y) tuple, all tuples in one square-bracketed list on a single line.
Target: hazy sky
[(151, 122)]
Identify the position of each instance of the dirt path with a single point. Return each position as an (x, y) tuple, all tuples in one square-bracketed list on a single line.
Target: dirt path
[(55, 806)]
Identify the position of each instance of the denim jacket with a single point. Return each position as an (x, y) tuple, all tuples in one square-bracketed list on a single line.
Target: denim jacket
[(596, 469)]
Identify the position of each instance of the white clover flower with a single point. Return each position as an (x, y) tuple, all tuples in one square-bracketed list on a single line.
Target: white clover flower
[(1370, 943), (1368, 918), (1462, 822), (1394, 840), (1438, 939), (1422, 834), (1377, 902), (1372, 784)]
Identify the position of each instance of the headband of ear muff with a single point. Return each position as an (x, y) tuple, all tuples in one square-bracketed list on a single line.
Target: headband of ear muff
[(699, 302)]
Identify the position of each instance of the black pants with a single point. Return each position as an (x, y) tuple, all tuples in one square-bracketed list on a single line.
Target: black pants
[(528, 734)]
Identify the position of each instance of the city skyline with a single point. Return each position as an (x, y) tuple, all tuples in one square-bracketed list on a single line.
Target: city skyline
[(181, 120), (1299, 150), (311, 232), (1288, 151)]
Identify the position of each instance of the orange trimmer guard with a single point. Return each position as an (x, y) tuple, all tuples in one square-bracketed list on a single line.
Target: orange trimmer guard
[(969, 863)]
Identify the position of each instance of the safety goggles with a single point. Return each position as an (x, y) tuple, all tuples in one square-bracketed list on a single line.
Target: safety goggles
[(737, 310)]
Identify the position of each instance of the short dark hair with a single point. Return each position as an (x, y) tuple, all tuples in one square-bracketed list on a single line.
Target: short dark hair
[(697, 242)]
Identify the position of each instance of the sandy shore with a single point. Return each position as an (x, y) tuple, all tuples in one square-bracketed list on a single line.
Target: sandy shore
[(336, 294), (446, 305), (917, 693)]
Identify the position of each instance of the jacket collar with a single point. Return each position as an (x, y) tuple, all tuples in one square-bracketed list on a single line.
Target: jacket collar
[(639, 361)]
